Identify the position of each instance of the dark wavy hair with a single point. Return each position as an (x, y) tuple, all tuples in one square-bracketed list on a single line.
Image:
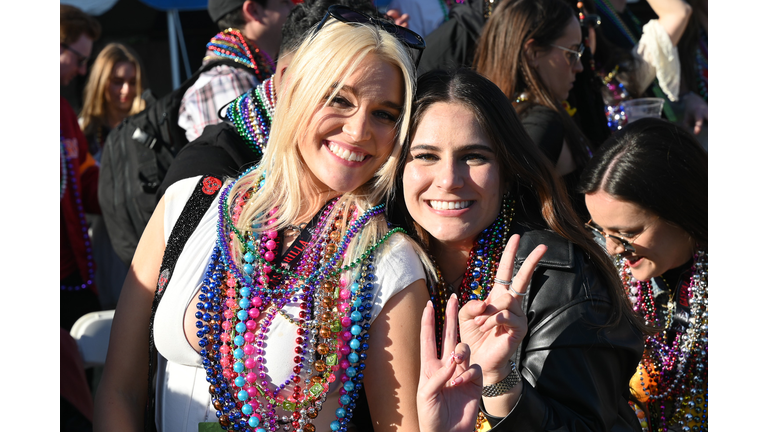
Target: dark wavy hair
[(658, 166), (542, 201), (306, 15)]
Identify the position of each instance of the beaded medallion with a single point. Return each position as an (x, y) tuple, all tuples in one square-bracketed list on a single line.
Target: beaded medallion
[(328, 303), (671, 379)]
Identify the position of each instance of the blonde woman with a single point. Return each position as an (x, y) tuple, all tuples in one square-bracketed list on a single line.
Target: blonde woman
[(112, 93), (292, 286)]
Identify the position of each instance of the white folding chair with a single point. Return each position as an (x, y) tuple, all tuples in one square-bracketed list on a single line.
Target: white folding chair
[(91, 332)]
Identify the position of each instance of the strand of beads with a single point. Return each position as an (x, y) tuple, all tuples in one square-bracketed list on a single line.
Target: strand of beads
[(63, 159), (232, 44), (74, 186)]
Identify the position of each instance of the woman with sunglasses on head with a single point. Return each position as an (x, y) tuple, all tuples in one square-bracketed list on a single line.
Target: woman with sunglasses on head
[(292, 287), (531, 49), (646, 190), (557, 343)]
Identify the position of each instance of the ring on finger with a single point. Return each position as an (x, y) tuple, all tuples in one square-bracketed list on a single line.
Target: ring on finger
[(503, 282), (516, 291)]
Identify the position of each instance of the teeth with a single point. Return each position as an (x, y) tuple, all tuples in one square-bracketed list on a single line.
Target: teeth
[(345, 154), (449, 205)]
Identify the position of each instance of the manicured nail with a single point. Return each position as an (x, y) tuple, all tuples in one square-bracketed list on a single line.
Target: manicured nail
[(457, 381)]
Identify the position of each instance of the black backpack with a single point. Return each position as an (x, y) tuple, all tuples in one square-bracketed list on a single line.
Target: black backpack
[(135, 158)]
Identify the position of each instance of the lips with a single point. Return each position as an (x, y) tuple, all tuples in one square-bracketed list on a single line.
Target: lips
[(449, 205), (634, 261), (345, 153)]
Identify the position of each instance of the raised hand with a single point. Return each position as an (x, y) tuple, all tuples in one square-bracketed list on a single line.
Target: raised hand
[(449, 389), (496, 326)]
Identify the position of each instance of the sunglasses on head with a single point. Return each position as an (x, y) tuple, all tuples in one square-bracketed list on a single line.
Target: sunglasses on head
[(407, 37)]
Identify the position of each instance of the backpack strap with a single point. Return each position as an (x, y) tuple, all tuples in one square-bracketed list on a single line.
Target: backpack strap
[(201, 199)]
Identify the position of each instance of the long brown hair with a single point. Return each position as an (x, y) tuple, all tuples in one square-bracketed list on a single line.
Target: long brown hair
[(94, 113), (501, 58), (540, 195)]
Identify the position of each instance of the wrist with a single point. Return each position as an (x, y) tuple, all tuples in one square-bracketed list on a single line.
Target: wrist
[(495, 388)]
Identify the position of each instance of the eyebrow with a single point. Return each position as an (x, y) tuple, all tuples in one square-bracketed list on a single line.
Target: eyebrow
[(387, 103), (468, 147)]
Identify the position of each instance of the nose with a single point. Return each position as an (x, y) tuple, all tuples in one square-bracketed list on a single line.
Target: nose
[(578, 67), (449, 176), (357, 126), (125, 89), (613, 246)]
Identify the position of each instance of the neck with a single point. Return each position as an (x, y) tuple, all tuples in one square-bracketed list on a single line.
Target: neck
[(114, 117), (451, 259), (313, 198)]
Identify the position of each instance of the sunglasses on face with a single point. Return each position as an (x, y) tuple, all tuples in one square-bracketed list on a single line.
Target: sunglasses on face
[(626, 244), (407, 37), (81, 59), (572, 55)]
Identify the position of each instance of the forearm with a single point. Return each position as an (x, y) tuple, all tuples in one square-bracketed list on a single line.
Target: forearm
[(673, 16), (118, 411)]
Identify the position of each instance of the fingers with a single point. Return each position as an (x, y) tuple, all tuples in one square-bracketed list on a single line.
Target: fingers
[(439, 378), (506, 266), (450, 327), (428, 348), (523, 278), (506, 321)]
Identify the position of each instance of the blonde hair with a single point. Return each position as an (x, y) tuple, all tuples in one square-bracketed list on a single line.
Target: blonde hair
[(323, 60), (94, 113)]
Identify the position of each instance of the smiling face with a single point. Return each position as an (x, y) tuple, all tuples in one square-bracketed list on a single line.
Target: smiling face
[(451, 181), (554, 66), (121, 88), (659, 245), (352, 135)]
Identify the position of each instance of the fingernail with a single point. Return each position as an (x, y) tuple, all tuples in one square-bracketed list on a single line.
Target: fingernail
[(429, 303), (457, 381), (453, 295), (457, 357)]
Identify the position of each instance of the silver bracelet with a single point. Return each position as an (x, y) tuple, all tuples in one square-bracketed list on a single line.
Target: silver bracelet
[(505, 385)]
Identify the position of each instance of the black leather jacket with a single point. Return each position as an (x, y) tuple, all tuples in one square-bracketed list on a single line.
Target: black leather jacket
[(575, 373)]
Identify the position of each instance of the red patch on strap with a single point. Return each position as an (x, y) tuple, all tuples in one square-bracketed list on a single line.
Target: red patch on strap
[(211, 185)]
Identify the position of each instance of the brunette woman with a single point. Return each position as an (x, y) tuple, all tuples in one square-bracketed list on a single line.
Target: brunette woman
[(302, 285), (531, 49), (555, 352), (646, 190)]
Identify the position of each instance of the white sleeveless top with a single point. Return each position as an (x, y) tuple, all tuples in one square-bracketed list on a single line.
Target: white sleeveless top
[(182, 398)]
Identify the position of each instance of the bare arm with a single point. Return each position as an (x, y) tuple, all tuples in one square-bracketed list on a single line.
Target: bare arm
[(673, 16), (392, 377), (121, 396)]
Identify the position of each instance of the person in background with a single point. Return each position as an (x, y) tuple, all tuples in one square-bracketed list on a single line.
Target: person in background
[(230, 147), (646, 190), (79, 175), (112, 93), (540, 41), (694, 65), (250, 35)]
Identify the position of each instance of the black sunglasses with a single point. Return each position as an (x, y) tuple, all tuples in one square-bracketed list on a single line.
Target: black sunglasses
[(81, 59), (407, 37)]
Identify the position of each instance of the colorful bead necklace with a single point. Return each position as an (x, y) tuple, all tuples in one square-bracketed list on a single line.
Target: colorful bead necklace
[(232, 44), (332, 321), (673, 372), (478, 277), (252, 114), (74, 187), (63, 160)]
